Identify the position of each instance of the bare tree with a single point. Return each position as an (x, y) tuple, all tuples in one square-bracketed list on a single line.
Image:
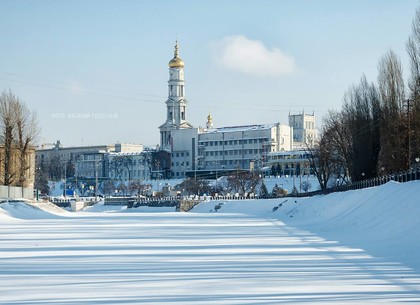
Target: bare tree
[(138, 188), (8, 106), (119, 163), (413, 104), (27, 131), (19, 130), (322, 159), (393, 154), (108, 187), (196, 186), (243, 182), (362, 115)]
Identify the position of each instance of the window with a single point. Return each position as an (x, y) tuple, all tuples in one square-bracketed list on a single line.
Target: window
[(235, 142), (182, 154), (177, 154)]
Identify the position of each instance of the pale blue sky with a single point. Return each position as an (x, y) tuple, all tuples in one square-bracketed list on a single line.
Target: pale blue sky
[(96, 71)]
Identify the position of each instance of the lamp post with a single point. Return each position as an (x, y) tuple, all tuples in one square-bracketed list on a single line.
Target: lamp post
[(195, 167), (96, 180)]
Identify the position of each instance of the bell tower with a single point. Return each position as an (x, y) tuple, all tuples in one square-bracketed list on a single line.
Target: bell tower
[(176, 104)]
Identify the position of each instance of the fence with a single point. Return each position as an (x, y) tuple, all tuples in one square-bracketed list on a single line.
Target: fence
[(13, 192), (410, 175)]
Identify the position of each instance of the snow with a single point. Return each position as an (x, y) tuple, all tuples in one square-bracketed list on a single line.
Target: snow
[(357, 247)]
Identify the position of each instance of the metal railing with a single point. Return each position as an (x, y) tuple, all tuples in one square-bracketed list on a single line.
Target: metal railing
[(403, 176)]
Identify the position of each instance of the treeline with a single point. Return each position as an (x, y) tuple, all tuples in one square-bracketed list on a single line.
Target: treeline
[(377, 131)]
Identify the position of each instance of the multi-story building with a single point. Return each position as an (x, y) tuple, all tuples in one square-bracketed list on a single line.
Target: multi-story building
[(293, 162), (242, 147), (89, 161), (304, 129), (210, 149)]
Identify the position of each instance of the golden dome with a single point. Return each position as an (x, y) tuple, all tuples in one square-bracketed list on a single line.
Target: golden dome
[(176, 62)]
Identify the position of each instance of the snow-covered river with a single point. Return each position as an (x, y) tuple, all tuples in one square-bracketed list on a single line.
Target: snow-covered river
[(187, 258)]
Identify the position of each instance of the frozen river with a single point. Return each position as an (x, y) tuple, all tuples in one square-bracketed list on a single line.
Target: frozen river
[(187, 258)]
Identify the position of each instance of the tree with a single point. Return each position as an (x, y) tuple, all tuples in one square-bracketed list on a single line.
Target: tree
[(243, 182), (109, 187), (54, 167), (138, 188), (362, 115), (41, 179), (413, 104), (19, 129), (8, 106), (27, 132), (263, 190), (119, 163), (196, 186), (322, 159), (394, 149)]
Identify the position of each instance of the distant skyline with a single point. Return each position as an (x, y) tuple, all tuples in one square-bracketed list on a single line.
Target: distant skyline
[(96, 71)]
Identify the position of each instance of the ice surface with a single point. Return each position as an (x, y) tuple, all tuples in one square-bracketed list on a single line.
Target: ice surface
[(358, 247)]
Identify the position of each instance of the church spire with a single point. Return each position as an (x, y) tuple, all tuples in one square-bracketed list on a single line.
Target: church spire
[(176, 62), (209, 123)]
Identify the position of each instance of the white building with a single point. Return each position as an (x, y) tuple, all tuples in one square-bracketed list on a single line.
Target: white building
[(304, 129), (241, 147), (219, 149)]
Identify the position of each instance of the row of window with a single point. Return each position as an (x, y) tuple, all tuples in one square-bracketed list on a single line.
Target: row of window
[(288, 157), (182, 154), (233, 142), (134, 174), (234, 152), (181, 163)]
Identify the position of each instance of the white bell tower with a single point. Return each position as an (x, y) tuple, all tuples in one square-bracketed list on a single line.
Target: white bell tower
[(176, 104)]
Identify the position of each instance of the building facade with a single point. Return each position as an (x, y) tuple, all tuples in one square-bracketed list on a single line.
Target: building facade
[(242, 147), (304, 129), (27, 180), (293, 162), (210, 149), (90, 162)]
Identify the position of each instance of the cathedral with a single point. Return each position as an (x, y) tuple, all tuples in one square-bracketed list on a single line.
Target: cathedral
[(208, 150)]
